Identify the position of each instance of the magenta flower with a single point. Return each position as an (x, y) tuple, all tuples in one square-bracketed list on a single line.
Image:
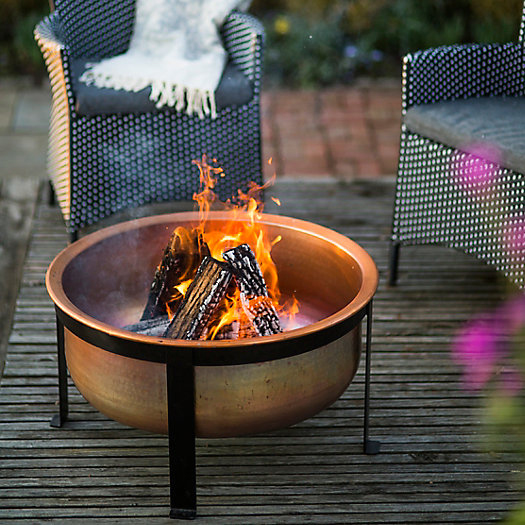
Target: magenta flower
[(478, 348), (484, 346), (476, 169)]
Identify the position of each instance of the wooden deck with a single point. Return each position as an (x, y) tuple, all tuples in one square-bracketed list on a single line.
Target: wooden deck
[(430, 469)]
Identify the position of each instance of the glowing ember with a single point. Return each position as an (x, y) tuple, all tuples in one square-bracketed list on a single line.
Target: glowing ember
[(231, 317)]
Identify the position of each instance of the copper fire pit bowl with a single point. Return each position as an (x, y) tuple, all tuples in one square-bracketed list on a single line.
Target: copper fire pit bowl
[(100, 284)]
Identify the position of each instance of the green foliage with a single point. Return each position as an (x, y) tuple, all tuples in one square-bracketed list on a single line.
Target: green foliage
[(18, 50), (404, 25), (26, 50), (304, 53), (517, 516), (408, 25), (318, 42), (300, 56), (504, 419), (491, 30)]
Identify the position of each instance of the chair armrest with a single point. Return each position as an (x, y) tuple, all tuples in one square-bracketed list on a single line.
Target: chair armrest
[(243, 39), (48, 34), (462, 71)]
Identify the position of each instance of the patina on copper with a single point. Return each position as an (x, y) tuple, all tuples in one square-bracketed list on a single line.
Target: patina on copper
[(100, 283)]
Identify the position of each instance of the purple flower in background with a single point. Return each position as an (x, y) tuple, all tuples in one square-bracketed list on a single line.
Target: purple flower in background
[(351, 51), (478, 348), (483, 347), (376, 55), (476, 168)]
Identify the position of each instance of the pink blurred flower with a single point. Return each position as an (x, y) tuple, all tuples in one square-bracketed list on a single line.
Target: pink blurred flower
[(478, 349), (476, 168), (483, 348)]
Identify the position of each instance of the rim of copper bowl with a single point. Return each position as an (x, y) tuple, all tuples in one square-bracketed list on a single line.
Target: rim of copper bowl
[(370, 277)]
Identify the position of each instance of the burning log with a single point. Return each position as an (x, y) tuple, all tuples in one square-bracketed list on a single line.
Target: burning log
[(254, 295), (202, 298), (180, 260), (156, 327), (187, 263), (240, 329), (229, 321)]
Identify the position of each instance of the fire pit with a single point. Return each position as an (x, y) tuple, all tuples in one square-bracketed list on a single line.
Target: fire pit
[(208, 388)]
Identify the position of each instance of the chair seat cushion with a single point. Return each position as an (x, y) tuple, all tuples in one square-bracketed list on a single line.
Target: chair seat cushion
[(496, 121), (234, 89)]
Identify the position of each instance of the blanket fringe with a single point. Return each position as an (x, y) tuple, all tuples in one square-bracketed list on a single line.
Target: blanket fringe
[(196, 101)]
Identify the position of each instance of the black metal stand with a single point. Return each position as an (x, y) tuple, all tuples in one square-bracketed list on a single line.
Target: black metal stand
[(181, 434), (180, 377), (393, 263), (63, 406), (369, 446)]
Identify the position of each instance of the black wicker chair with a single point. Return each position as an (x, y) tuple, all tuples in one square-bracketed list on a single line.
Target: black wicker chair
[(107, 154), (460, 179)]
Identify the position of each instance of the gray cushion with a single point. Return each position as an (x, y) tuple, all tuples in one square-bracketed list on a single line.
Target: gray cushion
[(234, 89), (498, 121)]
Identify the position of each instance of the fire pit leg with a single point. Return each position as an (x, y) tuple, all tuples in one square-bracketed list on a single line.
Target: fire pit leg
[(393, 263), (181, 434), (59, 419), (370, 447)]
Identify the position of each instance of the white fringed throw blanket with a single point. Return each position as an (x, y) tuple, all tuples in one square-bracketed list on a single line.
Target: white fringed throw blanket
[(176, 50)]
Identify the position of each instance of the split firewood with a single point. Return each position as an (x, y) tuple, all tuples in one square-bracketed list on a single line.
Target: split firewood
[(156, 327), (254, 295), (180, 260), (240, 328), (201, 299)]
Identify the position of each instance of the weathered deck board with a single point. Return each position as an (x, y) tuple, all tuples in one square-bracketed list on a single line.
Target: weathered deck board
[(17, 204), (430, 469)]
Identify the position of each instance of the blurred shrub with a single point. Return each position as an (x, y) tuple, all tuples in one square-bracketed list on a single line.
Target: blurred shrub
[(315, 42), (305, 53), (308, 44), (27, 55), (495, 20), (407, 25), (19, 53)]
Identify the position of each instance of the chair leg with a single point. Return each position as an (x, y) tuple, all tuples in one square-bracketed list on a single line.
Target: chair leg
[(51, 197), (393, 263)]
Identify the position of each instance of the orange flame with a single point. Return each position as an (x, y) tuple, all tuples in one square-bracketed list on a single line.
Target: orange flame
[(248, 207)]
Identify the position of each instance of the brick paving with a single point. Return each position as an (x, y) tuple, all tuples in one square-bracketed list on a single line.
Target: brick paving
[(340, 132), (336, 132)]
